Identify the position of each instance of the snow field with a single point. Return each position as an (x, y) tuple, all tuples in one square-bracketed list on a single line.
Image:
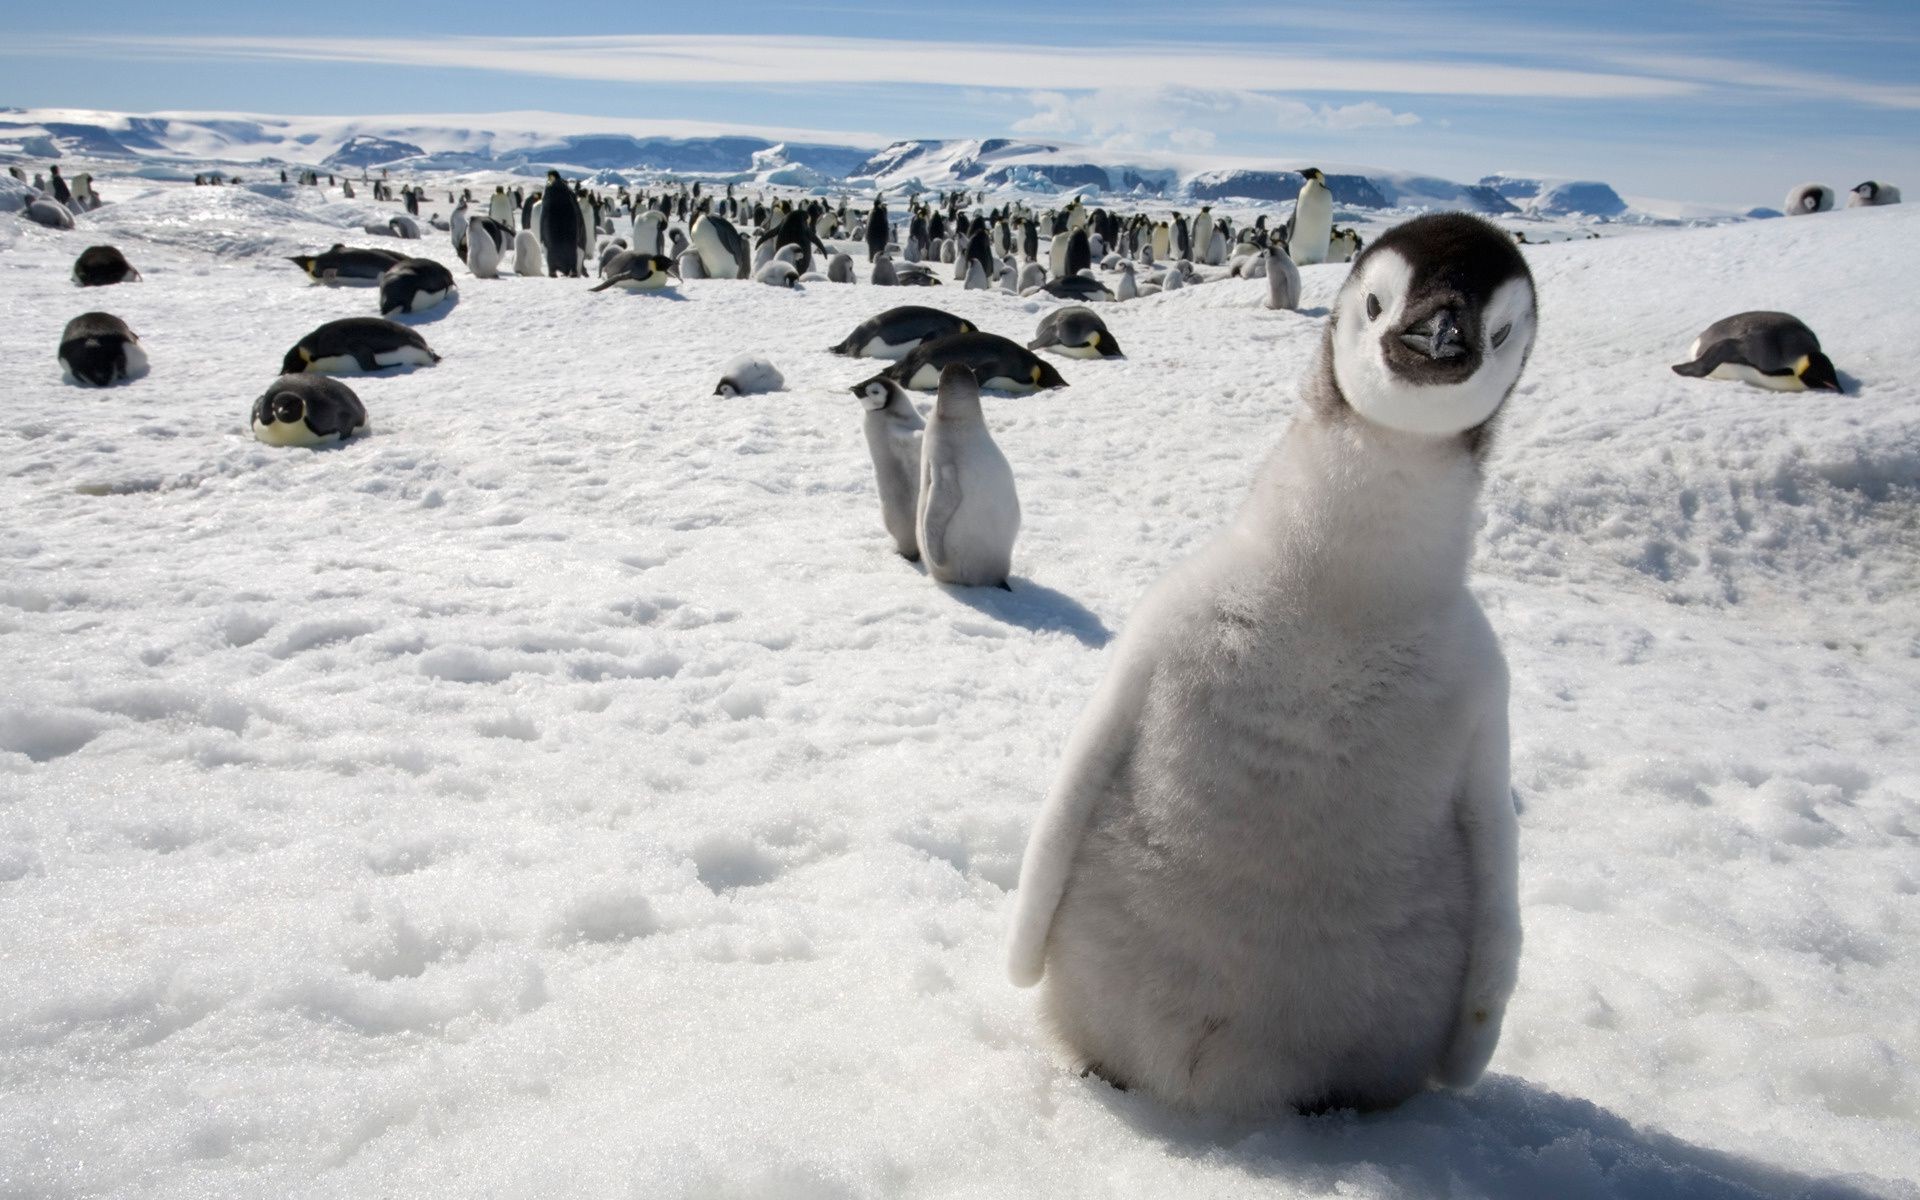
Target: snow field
[(565, 790)]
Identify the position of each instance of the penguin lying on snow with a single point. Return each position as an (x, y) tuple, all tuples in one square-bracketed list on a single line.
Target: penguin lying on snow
[(98, 348), (1770, 349), (307, 410), (1077, 332), (341, 265), (1809, 198), (1873, 194), (102, 266), (414, 285), (1277, 869), (995, 362), (357, 343), (896, 333), (635, 272), (748, 375)]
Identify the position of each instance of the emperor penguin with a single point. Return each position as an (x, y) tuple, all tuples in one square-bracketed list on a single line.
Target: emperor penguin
[(991, 360), (894, 428), (500, 206), (1077, 332), (648, 231), (1283, 280), (638, 272), (103, 266), (526, 254), (898, 332), (563, 234), (307, 410), (840, 269), (1809, 198), (1873, 194), (723, 252), (884, 274), (414, 285), (877, 230), (1773, 350), (1310, 225), (1278, 865), (1128, 288), (357, 344), (483, 253), (690, 266), (968, 512), (97, 348), (749, 375)]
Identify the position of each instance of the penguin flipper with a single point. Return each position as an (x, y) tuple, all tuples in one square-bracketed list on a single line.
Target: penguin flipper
[(1484, 813), (1095, 752), (1711, 359), (941, 502)]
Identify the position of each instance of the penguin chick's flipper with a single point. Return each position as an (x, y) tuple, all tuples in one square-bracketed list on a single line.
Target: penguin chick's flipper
[(1711, 359), (943, 500)]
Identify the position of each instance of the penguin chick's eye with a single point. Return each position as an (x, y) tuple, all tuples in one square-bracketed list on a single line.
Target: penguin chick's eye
[(1500, 335), (1373, 307)]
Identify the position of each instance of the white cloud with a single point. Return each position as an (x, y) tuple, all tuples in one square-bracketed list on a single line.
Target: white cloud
[(1191, 118)]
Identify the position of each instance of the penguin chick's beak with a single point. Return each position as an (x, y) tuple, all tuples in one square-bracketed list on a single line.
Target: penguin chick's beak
[(1436, 337)]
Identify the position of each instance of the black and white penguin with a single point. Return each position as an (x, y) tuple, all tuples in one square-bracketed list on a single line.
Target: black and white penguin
[(749, 375), (1773, 350), (102, 266), (341, 265), (1076, 287), (897, 332), (635, 272), (1310, 225), (1278, 867), (51, 214), (97, 348), (779, 273), (414, 285), (357, 344), (563, 234), (307, 410), (1077, 332), (996, 363), (1809, 198)]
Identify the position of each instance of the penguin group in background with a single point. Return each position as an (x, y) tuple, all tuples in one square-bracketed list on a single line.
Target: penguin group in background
[(307, 410), (97, 348), (1352, 937), (1773, 350)]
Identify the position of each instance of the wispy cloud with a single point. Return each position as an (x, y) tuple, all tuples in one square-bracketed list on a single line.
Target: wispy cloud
[(748, 60), (1189, 118)]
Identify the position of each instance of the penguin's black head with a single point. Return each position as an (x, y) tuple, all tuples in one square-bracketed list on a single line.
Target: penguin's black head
[(1432, 328), (294, 363), (284, 407), (94, 360), (1819, 375)]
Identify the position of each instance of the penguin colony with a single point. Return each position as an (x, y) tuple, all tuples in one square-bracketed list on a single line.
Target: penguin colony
[(1200, 939)]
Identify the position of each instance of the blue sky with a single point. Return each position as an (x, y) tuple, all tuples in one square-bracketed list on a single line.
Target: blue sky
[(1730, 101)]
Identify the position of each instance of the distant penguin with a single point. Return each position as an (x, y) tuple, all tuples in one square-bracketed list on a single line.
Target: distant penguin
[(840, 269), (749, 375), (877, 231), (526, 254), (1809, 198), (49, 213), (414, 285), (1076, 287), (1077, 332), (691, 267), (1032, 275), (307, 410), (1772, 350), (778, 273), (500, 206), (633, 271), (457, 225), (1057, 255), (1310, 226), (969, 509), (1872, 194), (898, 332), (1277, 869), (97, 348), (1173, 279), (341, 265), (1128, 288), (995, 362), (483, 253), (357, 344), (102, 266), (721, 248), (884, 274), (649, 232), (563, 237), (894, 428), (1283, 281), (1343, 245), (977, 276), (404, 227), (610, 251)]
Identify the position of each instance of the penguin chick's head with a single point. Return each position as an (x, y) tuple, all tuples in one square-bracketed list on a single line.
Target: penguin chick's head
[(1431, 330), (1816, 373), (875, 392)]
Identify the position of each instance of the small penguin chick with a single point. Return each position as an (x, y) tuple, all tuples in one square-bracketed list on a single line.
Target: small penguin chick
[(747, 375)]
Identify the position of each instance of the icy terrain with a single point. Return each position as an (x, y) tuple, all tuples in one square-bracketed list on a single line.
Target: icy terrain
[(564, 790)]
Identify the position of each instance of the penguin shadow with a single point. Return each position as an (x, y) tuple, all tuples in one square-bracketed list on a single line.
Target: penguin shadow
[(436, 313), (647, 295), (1850, 384), (1506, 1140), (1036, 607)]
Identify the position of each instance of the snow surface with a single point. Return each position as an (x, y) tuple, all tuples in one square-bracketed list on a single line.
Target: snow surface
[(564, 789)]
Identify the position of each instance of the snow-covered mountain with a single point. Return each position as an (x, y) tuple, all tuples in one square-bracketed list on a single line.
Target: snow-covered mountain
[(530, 143)]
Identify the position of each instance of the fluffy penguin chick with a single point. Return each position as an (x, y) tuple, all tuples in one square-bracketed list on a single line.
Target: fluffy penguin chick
[(748, 374), (969, 513), (894, 430), (1277, 868)]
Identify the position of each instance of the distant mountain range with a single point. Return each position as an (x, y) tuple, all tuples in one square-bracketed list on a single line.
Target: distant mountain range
[(531, 143)]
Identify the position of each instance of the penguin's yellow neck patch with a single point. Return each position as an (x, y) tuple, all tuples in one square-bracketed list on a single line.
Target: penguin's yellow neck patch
[(1036, 374), (1800, 367), (1094, 340)]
